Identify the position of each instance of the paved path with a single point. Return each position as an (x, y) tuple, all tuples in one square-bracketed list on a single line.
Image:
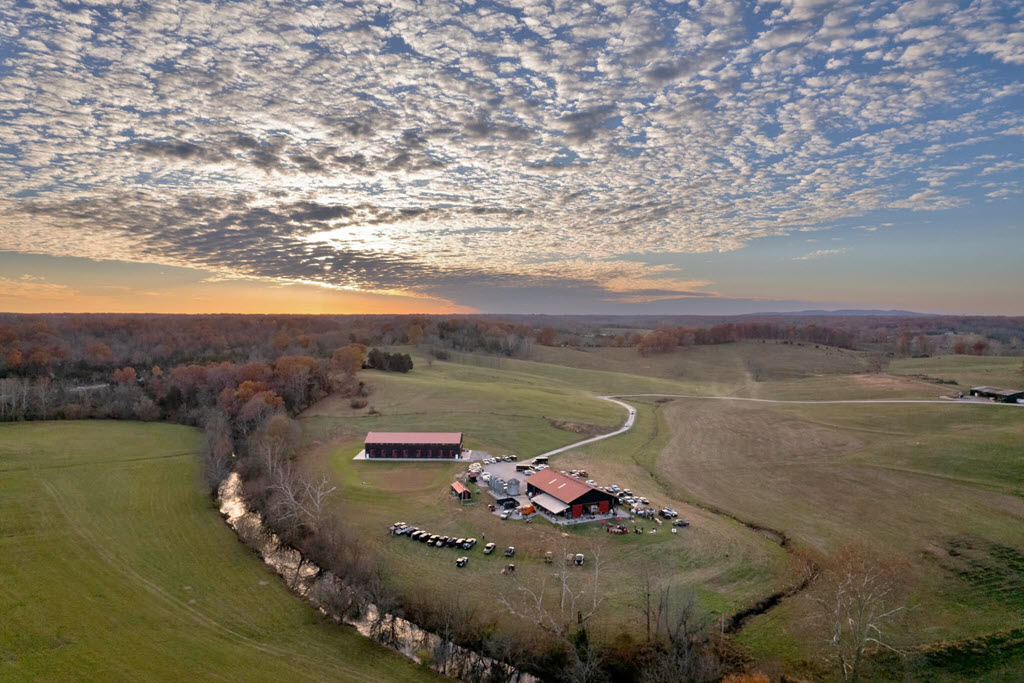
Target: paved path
[(624, 428), (632, 411)]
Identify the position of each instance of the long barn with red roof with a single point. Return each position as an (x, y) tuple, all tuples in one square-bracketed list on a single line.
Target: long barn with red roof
[(413, 445), (563, 496)]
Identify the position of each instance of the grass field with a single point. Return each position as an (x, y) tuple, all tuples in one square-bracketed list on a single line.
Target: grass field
[(116, 567), (915, 481), (966, 371), (941, 485), (507, 409)]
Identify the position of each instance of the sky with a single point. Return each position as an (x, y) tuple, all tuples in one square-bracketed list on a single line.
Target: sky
[(709, 156)]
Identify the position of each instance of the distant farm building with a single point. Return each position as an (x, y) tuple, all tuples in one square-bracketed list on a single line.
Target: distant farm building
[(460, 491), (414, 445), (563, 496), (1002, 395)]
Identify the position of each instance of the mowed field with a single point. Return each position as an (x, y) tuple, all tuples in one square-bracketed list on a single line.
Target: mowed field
[(941, 486), (966, 371), (507, 409), (115, 566)]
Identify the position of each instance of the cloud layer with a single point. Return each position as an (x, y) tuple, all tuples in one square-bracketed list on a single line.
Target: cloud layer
[(428, 146)]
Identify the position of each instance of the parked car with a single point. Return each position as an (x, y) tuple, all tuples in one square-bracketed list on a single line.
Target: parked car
[(578, 560), (583, 473), (469, 543), (541, 467), (529, 473), (462, 561), (507, 458), (680, 522), (488, 549), (644, 501), (672, 513), (513, 457), (510, 551), (504, 515), (614, 489), (591, 482)]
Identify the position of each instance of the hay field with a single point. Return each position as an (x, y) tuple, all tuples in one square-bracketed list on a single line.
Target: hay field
[(941, 486), (508, 409), (116, 567), (919, 480)]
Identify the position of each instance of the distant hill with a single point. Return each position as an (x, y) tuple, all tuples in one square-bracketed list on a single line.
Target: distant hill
[(857, 311)]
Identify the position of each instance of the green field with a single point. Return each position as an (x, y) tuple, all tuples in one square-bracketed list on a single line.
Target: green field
[(966, 371), (941, 486), (116, 567), (507, 409)]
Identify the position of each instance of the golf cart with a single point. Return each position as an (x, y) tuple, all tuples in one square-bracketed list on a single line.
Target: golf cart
[(461, 562), (510, 551)]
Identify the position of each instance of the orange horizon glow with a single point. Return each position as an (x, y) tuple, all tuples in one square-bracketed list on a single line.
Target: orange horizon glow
[(227, 297)]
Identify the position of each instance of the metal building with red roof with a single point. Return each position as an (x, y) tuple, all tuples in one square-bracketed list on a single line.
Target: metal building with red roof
[(565, 496), (413, 445)]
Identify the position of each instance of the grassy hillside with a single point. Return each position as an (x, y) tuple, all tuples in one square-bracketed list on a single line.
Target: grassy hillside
[(966, 371), (116, 567), (939, 485), (724, 364), (507, 409)]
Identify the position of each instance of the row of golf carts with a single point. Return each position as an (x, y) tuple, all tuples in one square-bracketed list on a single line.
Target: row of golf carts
[(436, 541)]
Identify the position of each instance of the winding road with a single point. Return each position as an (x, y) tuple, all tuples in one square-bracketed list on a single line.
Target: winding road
[(631, 418)]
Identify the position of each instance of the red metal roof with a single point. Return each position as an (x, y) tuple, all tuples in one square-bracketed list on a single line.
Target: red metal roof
[(454, 438), (565, 489), (459, 488)]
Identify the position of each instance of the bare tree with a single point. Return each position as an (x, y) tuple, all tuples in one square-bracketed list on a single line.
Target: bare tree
[(858, 597), (275, 440), (299, 502), (684, 649), (644, 600), (44, 391)]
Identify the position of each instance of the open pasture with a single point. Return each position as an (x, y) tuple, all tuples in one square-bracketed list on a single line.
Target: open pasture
[(509, 411), (912, 480), (965, 371), (940, 485), (117, 567)]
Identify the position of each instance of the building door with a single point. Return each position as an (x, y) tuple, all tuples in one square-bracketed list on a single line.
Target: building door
[(603, 506), (577, 511)]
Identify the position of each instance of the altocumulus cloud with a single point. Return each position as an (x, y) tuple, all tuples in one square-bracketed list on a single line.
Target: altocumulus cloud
[(432, 145)]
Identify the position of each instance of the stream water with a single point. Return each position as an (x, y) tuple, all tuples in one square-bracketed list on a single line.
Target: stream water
[(302, 576)]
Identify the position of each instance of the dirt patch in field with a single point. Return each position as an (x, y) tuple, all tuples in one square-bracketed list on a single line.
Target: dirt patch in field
[(581, 428)]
